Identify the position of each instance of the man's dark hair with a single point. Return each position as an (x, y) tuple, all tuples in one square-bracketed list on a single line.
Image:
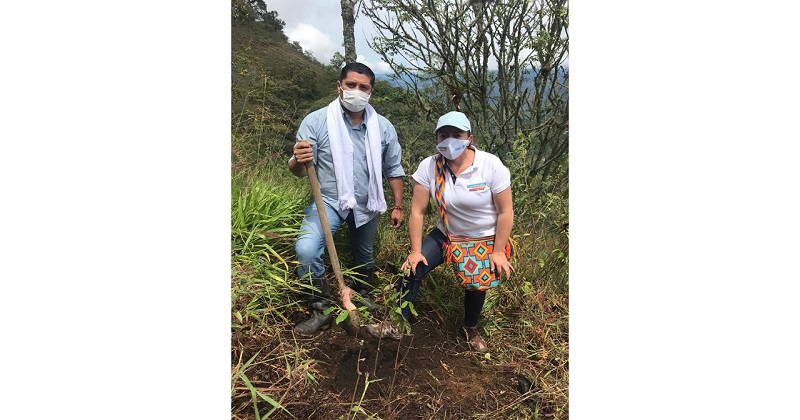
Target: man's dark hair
[(360, 69)]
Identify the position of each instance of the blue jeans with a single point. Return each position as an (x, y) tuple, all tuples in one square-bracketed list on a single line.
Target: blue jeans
[(432, 249), (310, 246), (433, 252)]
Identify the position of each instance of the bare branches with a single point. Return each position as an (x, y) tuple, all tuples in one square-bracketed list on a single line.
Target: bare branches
[(502, 65)]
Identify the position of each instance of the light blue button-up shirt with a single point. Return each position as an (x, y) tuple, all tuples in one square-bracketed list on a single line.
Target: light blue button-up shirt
[(315, 129)]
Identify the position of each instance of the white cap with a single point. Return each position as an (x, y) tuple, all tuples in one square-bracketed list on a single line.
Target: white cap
[(455, 119)]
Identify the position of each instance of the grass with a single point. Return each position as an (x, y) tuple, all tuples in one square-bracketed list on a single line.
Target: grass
[(263, 226), (525, 319)]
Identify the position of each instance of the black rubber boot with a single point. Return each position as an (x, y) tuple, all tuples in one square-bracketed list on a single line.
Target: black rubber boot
[(319, 302), (317, 321), (365, 286)]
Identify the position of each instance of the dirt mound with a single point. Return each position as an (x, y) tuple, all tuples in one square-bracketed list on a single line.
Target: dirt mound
[(428, 374)]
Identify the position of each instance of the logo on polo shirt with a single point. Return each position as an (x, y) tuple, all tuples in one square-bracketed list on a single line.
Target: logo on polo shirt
[(476, 187)]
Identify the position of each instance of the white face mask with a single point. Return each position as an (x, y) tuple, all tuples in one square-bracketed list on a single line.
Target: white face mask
[(452, 148), (354, 100)]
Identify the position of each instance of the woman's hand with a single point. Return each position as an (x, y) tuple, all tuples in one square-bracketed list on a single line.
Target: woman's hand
[(499, 264), (411, 262)]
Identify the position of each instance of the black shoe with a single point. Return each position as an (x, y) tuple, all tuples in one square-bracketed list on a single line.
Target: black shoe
[(316, 322)]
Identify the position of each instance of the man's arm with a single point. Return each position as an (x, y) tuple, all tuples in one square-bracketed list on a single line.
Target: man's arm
[(396, 184)]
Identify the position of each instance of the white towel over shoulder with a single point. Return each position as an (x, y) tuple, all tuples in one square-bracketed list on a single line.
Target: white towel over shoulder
[(342, 152)]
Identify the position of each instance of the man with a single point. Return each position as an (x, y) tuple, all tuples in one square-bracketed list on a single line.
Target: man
[(352, 149)]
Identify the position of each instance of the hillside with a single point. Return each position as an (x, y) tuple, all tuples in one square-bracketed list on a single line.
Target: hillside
[(273, 82)]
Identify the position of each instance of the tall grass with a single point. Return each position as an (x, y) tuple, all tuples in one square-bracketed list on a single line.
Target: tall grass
[(266, 210), (525, 320)]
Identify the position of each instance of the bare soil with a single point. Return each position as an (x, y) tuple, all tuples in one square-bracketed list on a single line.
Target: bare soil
[(430, 374)]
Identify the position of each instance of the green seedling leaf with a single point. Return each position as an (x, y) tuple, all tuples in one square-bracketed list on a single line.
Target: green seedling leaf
[(342, 316), (275, 405), (253, 394), (311, 378), (526, 288)]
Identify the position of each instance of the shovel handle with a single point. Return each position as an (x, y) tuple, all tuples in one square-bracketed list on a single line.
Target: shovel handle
[(326, 226)]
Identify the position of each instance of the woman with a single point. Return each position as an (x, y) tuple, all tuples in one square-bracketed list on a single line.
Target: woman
[(476, 203)]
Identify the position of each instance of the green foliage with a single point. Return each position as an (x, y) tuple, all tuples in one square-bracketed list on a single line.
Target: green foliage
[(240, 10), (256, 10), (273, 83), (541, 210), (265, 217), (533, 324), (415, 136)]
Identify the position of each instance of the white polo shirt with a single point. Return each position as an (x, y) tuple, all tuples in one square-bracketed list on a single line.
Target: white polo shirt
[(470, 207)]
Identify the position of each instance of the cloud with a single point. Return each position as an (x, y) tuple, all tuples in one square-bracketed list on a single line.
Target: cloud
[(324, 16), (313, 40), (378, 67), (322, 47)]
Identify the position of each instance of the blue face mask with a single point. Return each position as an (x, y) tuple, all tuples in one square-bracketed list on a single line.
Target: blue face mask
[(452, 148)]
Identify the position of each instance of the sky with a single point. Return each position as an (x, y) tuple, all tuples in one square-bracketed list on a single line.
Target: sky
[(317, 26)]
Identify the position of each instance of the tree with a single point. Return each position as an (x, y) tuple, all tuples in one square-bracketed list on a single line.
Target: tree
[(501, 63), (348, 30), (257, 10)]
